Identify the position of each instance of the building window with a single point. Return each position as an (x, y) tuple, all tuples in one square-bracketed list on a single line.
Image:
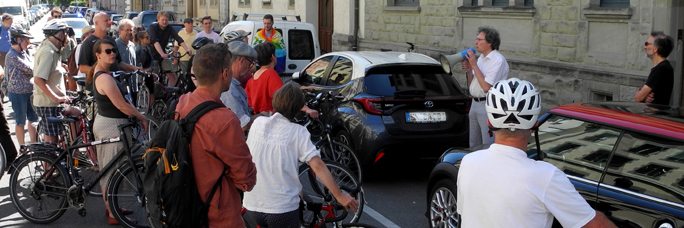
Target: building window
[(602, 96), (615, 3), (292, 3), (529, 2), (406, 2), (499, 2), (474, 3), (243, 2)]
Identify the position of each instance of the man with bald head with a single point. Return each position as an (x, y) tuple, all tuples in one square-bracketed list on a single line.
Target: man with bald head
[(87, 58)]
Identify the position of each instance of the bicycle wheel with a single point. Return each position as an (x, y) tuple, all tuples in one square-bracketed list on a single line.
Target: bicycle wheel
[(3, 161), (37, 199), (126, 192), (314, 188), (143, 100), (40, 135), (342, 154)]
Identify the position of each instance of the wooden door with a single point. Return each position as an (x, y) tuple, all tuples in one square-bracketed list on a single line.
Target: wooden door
[(325, 25)]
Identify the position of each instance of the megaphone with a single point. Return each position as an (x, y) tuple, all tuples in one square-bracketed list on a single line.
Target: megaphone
[(448, 60)]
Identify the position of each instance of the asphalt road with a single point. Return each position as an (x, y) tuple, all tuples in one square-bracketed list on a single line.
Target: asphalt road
[(395, 190)]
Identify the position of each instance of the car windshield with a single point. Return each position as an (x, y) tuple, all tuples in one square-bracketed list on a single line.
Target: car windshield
[(77, 24), (14, 10), (132, 15), (117, 18), (411, 81)]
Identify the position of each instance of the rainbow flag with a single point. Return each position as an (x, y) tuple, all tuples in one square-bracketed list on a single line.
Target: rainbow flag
[(277, 39)]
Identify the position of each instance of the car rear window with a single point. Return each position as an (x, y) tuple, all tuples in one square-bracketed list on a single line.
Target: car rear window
[(300, 44), (410, 80)]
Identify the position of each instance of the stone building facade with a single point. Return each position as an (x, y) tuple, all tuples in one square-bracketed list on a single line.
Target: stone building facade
[(573, 50)]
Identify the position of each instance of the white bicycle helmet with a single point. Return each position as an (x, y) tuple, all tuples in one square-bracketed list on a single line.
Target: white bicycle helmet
[(230, 36), (513, 104), (54, 26)]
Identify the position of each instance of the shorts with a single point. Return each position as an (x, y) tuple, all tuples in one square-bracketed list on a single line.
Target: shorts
[(166, 66), (22, 107), (50, 129)]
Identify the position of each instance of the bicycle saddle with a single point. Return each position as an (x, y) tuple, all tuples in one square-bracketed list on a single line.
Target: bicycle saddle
[(79, 78), (80, 82), (171, 89), (67, 119)]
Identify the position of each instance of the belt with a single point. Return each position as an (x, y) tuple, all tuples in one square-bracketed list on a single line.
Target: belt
[(478, 99)]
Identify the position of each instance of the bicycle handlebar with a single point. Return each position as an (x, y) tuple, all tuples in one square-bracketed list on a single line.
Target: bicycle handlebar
[(317, 207)]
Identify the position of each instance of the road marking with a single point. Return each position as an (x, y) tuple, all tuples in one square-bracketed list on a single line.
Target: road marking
[(378, 217)]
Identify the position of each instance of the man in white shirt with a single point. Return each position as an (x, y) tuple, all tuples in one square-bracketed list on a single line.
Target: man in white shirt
[(502, 187), (489, 68), (206, 24)]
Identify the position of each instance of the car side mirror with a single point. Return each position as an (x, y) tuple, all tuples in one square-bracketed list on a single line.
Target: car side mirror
[(295, 75)]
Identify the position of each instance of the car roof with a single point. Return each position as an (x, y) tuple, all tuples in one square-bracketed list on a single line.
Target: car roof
[(656, 119), (74, 19), (371, 58)]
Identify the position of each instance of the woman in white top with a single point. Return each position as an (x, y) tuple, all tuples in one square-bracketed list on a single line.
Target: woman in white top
[(277, 146)]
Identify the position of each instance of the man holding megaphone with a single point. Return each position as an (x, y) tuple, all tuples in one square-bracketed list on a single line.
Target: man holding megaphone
[(482, 73)]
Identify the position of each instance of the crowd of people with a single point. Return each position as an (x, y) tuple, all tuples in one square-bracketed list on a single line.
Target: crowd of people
[(38, 87)]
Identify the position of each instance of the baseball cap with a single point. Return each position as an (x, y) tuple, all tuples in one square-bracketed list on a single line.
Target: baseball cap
[(187, 20), (242, 49), (243, 33), (87, 29)]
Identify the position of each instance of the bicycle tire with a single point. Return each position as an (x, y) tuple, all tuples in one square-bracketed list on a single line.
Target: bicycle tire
[(23, 188), (3, 161), (356, 225), (125, 192), (345, 155), (158, 110), (143, 100), (152, 127), (342, 176)]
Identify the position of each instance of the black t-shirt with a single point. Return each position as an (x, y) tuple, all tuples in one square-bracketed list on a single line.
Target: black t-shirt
[(661, 81), (157, 34), (87, 57)]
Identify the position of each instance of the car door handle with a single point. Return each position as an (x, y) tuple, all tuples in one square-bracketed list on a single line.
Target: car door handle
[(292, 66)]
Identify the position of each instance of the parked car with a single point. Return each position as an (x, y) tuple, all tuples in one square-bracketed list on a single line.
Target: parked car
[(18, 11), (301, 38), (70, 15), (130, 15), (77, 24), (395, 103), (114, 24), (90, 13), (146, 18), (626, 159), (81, 10)]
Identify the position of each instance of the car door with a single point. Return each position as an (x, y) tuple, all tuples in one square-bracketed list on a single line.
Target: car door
[(578, 148), (644, 183)]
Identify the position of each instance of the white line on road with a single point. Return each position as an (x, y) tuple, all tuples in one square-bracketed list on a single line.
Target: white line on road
[(378, 217)]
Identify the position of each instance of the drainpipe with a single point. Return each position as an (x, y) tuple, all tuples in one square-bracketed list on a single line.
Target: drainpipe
[(355, 47)]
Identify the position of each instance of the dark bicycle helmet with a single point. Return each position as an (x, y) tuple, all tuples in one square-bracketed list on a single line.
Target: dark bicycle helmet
[(200, 42), (17, 32)]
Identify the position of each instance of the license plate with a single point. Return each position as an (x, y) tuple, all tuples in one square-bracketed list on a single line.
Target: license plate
[(425, 117)]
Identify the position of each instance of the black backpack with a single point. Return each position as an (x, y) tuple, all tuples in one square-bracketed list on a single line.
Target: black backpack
[(172, 199)]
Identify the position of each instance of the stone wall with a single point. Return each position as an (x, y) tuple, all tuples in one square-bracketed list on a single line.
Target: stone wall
[(572, 50)]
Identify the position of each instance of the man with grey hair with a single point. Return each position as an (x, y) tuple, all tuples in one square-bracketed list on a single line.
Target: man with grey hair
[(236, 97), (482, 73), (125, 42), (87, 59)]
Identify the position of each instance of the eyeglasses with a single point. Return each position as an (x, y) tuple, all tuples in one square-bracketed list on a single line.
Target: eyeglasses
[(57, 16), (110, 50), (208, 23), (647, 43), (250, 61)]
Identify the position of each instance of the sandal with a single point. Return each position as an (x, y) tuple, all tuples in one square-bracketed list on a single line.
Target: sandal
[(123, 211)]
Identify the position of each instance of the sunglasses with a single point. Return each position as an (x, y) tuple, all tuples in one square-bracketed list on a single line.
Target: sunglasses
[(647, 43), (110, 50), (58, 16)]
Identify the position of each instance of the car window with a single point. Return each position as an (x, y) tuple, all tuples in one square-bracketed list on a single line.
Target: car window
[(77, 24), (576, 147), (300, 44), (406, 80), (14, 10), (649, 165), (117, 18), (148, 19), (314, 73), (340, 73)]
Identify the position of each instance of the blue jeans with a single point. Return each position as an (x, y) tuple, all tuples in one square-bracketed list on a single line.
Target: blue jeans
[(21, 104)]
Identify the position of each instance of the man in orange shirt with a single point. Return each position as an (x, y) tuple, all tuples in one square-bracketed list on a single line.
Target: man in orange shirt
[(218, 140)]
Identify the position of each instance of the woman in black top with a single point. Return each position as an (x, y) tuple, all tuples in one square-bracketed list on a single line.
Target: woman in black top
[(113, 110)]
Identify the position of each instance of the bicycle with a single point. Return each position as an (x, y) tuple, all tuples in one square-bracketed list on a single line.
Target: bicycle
[(136, 91), (45, 181), (331, 148)]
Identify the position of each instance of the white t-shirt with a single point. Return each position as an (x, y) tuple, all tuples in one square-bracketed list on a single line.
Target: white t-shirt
[(501, 187), (494, 68), (78, 52), (211, 35), (277, 146)]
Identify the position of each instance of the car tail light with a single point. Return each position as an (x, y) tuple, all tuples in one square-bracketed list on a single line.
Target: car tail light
[(380, 155), (470, 101), (371, 105)]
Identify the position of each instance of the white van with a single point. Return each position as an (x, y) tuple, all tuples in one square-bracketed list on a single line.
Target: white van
[(301, 39), (18, 11)]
